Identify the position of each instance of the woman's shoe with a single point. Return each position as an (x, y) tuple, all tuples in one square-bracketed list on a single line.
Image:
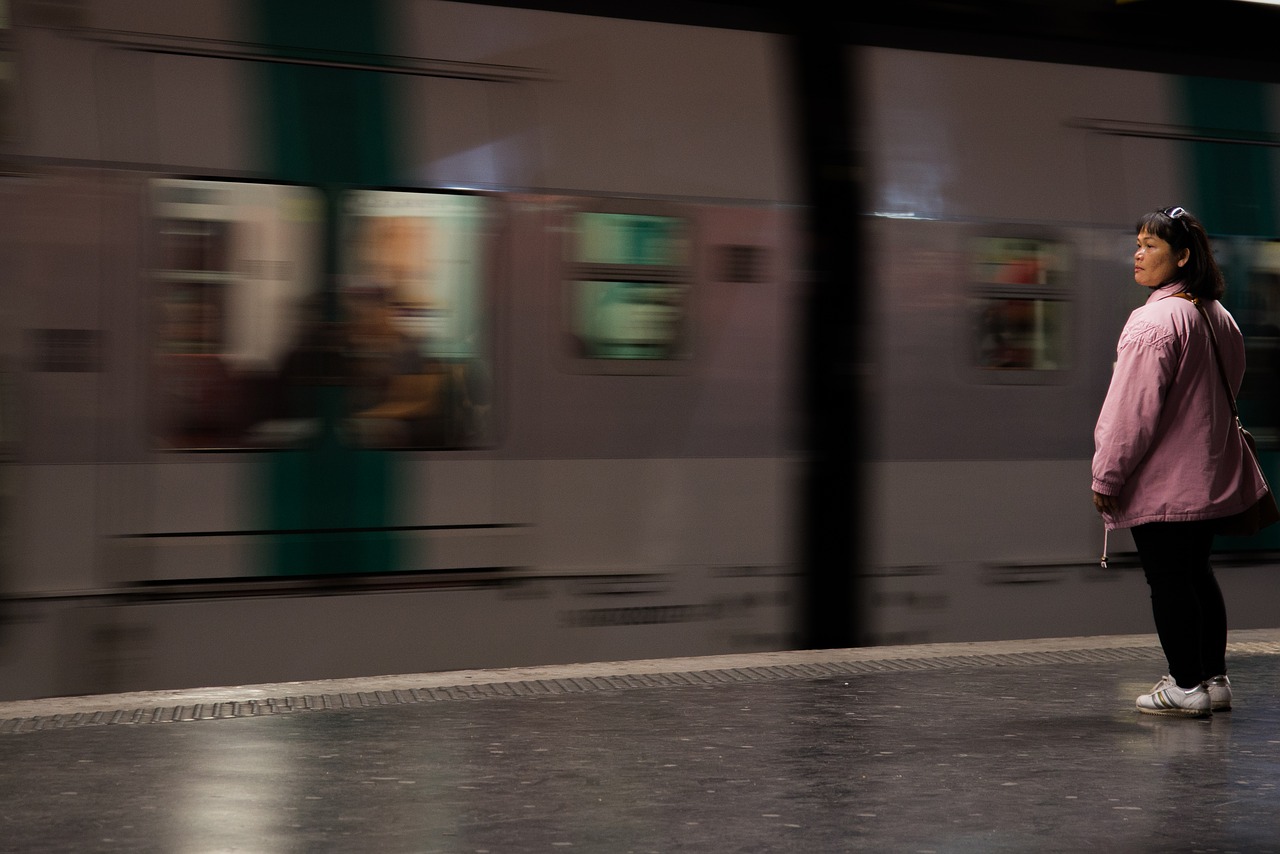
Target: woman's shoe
[(1166, 698), (1220, 693)]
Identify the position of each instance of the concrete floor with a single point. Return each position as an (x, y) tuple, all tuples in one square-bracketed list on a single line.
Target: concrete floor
[(1015, 746)]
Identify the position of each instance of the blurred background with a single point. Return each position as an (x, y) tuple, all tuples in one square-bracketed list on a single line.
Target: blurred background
[(353, 338)]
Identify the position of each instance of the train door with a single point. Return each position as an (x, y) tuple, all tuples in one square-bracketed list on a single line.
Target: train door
[(665, 451)]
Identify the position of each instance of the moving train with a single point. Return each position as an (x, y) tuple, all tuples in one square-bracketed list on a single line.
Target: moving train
[(346, 339)]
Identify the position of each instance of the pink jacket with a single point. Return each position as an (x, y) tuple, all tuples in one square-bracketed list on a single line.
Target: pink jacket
[(1165, 441)]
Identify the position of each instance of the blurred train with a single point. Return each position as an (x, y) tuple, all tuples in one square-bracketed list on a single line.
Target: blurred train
[(345, 339)]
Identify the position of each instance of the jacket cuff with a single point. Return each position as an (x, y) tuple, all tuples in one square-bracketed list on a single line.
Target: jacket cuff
[(1105, 488)]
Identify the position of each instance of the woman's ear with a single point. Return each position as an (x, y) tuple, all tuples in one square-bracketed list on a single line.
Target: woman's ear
[(1184, 258)]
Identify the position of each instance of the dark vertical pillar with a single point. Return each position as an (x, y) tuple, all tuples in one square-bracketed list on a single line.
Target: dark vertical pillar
[(835, 315)]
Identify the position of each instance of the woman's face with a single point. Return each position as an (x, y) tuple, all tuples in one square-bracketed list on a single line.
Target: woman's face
[(1154, 262)]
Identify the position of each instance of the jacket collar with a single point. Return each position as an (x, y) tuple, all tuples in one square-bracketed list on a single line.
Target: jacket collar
[(1165, 291)]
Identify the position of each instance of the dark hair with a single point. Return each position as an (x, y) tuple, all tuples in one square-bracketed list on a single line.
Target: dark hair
[(1177, 227)]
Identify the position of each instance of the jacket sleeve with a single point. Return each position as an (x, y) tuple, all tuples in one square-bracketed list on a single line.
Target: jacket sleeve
[(1146, 361)]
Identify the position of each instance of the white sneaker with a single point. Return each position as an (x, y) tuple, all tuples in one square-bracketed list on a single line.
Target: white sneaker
[(1166, 698), (1220, 693)]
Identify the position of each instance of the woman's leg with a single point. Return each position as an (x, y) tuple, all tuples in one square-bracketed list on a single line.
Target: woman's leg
[(1213, 622), (1186, 602)]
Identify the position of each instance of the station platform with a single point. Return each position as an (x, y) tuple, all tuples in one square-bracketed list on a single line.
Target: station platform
[(1006, 746)]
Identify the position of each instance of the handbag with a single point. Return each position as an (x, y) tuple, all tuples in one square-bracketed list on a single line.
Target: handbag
[(1264, 511)]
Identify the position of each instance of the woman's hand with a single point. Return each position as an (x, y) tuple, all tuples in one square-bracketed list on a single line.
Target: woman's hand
[(1106, 503)]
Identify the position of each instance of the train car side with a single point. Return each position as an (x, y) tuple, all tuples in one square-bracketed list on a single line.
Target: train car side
[(616, 505)]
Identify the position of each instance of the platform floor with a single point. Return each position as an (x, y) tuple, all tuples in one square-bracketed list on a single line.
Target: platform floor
[(1012, 746)]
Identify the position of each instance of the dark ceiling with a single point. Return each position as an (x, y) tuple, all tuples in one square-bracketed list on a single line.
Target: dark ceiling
[(1230, 38)]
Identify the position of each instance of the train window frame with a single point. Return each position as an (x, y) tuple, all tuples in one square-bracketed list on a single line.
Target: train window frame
[(488, 255), (575, 272), (309, 206), (1044, 278)]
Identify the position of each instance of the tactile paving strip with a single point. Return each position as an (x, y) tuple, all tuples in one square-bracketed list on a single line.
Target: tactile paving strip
[(588, 684)]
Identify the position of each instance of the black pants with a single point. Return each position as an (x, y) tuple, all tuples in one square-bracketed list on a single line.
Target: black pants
[(1190, 615)]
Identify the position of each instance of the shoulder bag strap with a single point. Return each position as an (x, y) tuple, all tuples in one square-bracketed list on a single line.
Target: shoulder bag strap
[(1222, 372)]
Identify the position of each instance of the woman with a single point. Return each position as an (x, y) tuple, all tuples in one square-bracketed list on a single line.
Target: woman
[(1169, 459)]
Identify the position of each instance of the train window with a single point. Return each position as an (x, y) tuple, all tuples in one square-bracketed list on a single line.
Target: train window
[(627, 320), (237, 277), (1020, 334), (1252, 271), (1019, 308), (627, 288), (629, 239), (413, 303)]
